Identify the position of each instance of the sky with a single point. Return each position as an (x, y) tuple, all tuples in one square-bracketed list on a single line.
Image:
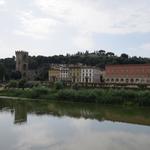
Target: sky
[(53, 27)]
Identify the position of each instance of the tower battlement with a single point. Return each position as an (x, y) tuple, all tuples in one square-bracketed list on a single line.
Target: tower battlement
[(21, 52)]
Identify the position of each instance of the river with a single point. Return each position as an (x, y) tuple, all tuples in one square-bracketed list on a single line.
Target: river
[(30, 125)]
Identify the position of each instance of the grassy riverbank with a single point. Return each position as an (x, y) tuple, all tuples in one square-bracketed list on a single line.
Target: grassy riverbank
[(102, 96)]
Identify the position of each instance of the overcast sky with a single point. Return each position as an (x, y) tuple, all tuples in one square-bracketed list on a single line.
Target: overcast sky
[(49, 27)]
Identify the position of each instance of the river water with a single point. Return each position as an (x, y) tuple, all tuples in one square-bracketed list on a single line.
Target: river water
[(68, 126)]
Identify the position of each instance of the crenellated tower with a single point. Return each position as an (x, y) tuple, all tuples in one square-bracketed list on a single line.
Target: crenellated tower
[(22, 63)]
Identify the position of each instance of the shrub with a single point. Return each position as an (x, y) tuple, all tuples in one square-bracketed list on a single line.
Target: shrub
[(22, 83), (13, 84), (66, 94), (38, 92), (58, 85), (75, 86)]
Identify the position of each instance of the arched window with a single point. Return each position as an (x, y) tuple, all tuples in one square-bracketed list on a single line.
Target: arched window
[(24, 57), (122, 80), (107, 80), (132, 80), (117, 80), (137, 80)]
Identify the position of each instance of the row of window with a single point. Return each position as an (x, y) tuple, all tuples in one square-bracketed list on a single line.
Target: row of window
[(87, 74), (126, 80), (63, 71), (86, 70), (86, 80)]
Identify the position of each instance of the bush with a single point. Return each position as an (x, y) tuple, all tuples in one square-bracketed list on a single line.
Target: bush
[(75, 86), (13, 84), (22, 83), (58, 85), (29, 85), (38, 92)]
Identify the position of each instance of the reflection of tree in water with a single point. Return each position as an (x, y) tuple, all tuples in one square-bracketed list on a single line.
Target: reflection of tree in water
[(20, 114), (76, 110)]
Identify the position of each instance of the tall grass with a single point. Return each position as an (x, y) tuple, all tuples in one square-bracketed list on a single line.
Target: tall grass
[(102, 96)]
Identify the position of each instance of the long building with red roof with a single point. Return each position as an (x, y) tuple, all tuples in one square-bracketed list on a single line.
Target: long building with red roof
[(129, 73)]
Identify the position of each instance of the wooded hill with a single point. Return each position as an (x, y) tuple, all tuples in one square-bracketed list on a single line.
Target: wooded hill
[(97, 58)]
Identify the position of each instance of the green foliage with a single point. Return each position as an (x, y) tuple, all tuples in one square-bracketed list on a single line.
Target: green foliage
[(101, 96), (58, 85), (15, 75), (12, 84), (2, 72), (22, 83), (75, 86), (38, 92)]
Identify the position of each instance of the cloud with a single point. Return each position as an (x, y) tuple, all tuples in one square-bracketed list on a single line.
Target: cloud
[(83, 40), (146, 46), (74, 24), (35, 26), (2, 2), (117, 17)]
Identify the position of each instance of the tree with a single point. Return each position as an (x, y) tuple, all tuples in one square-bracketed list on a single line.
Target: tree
[(110, 54), (2, 72), (102, 52), (125, 56), (15, 75)]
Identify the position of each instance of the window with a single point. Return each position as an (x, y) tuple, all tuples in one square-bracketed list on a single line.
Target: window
[(122, 80), (107, 80), (24, 57), (89, 79), (24, 67), (132, 80), (142, 80), (117, 80), (112, 80)]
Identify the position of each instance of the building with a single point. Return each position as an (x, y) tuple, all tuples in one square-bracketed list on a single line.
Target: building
[(64, 73), (22, 63), (128, 74), (75, 73), (54, 74), (90, 75)]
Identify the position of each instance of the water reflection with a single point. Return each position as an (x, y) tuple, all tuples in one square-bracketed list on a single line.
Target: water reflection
[(63, 126), (21, 109)]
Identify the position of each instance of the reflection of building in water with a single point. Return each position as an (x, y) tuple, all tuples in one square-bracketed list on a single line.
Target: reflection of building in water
[(20, 114), (22, 63)]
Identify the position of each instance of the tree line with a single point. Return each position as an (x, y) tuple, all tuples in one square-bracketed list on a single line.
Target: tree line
[(41, 64)]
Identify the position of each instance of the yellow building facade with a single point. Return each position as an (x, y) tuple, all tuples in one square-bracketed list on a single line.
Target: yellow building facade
[(54, 74), (75, 73)]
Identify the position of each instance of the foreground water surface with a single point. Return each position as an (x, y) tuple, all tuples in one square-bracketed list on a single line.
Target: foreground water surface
[(28, 125)]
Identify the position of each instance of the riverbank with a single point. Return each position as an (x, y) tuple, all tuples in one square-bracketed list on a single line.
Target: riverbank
[(101, 96)]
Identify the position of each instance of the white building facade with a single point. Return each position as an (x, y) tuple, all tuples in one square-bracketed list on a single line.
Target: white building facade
[(90, 75), (64, 73)]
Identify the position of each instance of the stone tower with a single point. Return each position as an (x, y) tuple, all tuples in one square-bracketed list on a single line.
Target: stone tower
[(22, 63)]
